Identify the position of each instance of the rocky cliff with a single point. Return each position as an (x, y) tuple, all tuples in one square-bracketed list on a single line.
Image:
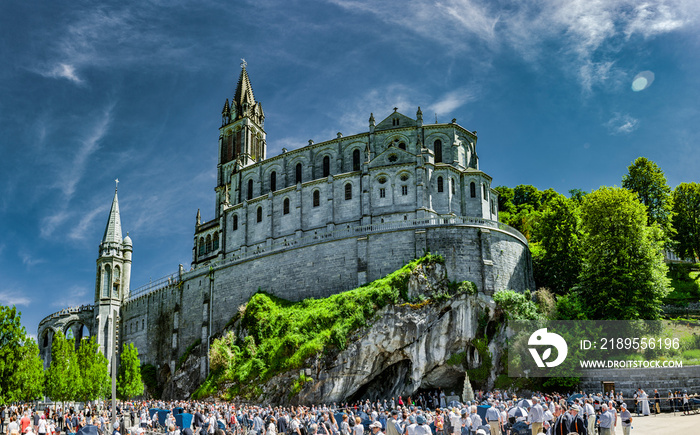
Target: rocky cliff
[(405, 347)]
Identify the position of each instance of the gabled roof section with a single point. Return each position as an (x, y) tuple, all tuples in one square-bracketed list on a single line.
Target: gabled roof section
[(113, 232), (395, 120), (244, 90), (392, 156)]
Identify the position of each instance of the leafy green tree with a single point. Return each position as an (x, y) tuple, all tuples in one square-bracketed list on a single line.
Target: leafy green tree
[(527, 194), (505, 200), (21, 369), (686, 219), (649, 182), (559, 263), (63, 376), (129, 382), (94, 375), (623, 274), (577, 195)]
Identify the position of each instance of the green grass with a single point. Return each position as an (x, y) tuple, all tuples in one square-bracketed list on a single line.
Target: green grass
[(281, 335), (685, 281)]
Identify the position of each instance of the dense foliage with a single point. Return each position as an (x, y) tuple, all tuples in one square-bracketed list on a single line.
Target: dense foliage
[(686, 219), (624, 274), (95, 382), (648, 181), (63, 376), (21, 369), (129, 382)]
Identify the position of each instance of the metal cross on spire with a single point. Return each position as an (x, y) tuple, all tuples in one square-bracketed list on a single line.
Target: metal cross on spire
[(117, 184), (243, 63)]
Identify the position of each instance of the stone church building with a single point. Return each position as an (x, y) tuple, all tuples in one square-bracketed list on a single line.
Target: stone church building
[(306, 223)]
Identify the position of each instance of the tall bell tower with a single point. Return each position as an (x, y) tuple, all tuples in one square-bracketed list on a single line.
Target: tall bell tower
[(242, 138), (113, 278)]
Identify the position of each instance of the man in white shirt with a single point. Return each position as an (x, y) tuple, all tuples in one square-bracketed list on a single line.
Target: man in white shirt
[(536, 416), (589, 415)]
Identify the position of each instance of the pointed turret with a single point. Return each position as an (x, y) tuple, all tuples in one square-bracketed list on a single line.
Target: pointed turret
[(113, 231), (244, 91)]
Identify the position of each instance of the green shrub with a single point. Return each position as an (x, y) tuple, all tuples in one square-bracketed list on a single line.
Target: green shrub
[(516, 306)]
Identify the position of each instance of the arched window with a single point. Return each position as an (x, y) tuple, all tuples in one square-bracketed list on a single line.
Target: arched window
[(107, 283), (438, 151), (297, 178), (472, 189), (317, 198), (250, 189), (201, 246), (348, 191), (356, 160), (441, 186), (235, 222), (259, 214), (326, 166), (285, 206), (207, 249), (402, 145), (273, 181), (46, 339), (215, 242), (484, 197), (452, 185), (115, 284)]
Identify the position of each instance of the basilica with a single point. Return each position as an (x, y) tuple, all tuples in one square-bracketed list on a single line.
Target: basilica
[(307, 223)]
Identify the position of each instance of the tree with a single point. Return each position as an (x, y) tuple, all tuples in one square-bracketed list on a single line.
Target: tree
[(94, 375), (63, 376), (624, 274), (129, 383), (21, 369), (649, 182), (686, 219), (559, 263)]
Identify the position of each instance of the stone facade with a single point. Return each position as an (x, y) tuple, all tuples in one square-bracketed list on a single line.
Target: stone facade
[(319, 220)]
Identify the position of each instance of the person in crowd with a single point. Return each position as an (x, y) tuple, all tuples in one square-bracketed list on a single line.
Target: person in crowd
[(625, 419)]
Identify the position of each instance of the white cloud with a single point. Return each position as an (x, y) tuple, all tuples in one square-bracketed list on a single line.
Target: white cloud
[(622, 124), (452, 100), (586, 34), (63, 70), (29, 261), (10, 298), (81, 230)]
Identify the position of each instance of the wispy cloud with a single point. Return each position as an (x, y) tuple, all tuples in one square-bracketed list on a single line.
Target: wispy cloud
[(81, 230), (90, 143), (10, 297), (622, 123), (74, 296), (588, 32), (62, 70), (452, 100), (29, 260)]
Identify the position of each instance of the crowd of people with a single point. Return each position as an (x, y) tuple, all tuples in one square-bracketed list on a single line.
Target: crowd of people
[(493, 413)]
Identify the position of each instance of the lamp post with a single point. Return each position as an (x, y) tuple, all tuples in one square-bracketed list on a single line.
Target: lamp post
[(115, 325)]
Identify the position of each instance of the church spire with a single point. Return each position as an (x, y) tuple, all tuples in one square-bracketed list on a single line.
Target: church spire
[(113, 231), (244, 90)]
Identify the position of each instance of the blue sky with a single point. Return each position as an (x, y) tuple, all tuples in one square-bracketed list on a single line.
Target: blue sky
[(94, 91)]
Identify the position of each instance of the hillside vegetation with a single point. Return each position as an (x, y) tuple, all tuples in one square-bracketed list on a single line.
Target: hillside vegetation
[(272, 335)]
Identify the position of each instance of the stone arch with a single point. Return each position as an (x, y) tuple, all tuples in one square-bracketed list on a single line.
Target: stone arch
[(396, 140), (292, 169)]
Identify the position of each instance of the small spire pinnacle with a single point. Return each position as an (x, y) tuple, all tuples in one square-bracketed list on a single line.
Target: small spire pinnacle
[(116, 187), (113, 231), (243, 63), (199, 218)]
